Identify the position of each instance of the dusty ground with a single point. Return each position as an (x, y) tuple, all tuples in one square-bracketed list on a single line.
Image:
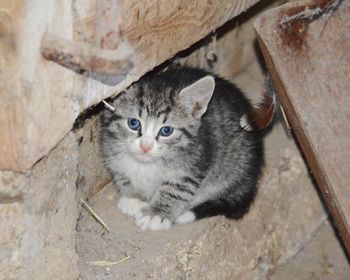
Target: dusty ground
[(286, 234)]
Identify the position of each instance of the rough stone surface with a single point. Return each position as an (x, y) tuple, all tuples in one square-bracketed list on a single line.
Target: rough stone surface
[(51, 214), (39, 208), (11, 216), (12, 228), (93, 176), (324, 260), (38, 232)]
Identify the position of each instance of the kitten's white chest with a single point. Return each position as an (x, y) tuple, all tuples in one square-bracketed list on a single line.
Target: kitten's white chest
[(146, 177)]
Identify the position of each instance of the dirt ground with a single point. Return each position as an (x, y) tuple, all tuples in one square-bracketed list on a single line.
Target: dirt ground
[(286, 234)]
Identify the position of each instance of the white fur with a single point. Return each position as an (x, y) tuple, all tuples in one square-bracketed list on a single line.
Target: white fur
[(144, 176), (143, 221), (130, 206), (158, 224), (186, 218), (244, 123), (152, 223)]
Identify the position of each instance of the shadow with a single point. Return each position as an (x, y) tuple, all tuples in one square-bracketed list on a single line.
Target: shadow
[(228, 26), (110, 80), (220, 207), (88, 114)]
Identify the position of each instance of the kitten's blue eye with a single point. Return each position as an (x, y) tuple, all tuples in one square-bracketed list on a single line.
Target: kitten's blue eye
[(134, 124), (166, 131)]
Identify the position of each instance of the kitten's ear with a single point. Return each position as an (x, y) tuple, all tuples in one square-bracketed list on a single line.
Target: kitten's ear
[(196, 97)]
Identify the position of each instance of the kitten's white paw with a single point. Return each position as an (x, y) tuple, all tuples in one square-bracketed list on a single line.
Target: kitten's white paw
[(130, 206), (143, 221), (186, 218), (152, 223), (157, 223)]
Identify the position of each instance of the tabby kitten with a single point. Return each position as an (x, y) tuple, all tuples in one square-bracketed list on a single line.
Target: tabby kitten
[(177, 151)]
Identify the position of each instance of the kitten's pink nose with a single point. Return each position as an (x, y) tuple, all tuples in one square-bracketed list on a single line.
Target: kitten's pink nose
[(145, 148), (146, 143)]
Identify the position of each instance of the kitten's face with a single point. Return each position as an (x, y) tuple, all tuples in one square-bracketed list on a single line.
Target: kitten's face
[(153, 120)]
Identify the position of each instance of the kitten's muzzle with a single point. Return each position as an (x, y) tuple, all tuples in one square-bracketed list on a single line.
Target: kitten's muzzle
[(146, 144)]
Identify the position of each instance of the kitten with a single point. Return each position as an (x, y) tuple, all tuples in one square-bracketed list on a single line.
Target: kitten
[(177, 151)]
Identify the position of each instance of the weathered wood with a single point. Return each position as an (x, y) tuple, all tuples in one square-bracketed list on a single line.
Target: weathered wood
[(81, 57), (11, 119), (108, 19), (309, 60), (42, 99)]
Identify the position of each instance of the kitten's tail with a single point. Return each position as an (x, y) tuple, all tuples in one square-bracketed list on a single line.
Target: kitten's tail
[(262, 115), (203, 210)]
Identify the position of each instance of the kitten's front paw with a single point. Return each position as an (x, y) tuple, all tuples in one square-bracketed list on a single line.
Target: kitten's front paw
[(131, 206), (186, 218), (152, 222)]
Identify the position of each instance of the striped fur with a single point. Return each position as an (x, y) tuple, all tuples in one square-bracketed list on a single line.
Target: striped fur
[(209, 165)]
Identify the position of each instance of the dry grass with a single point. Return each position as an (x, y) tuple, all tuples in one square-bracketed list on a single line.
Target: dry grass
[(94, 214)]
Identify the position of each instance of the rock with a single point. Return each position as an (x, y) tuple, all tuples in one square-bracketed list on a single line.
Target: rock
[(93, 176), (38, 235)]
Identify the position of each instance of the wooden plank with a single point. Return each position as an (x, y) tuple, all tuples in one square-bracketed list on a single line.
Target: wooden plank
[(306, 46), (11, 126), (160, 29), (43, 99)]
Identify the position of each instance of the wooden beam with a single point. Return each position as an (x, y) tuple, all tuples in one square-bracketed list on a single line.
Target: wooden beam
[(306, 47)]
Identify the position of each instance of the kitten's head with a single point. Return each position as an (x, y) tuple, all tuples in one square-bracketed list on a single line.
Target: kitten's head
[(155, 118)]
